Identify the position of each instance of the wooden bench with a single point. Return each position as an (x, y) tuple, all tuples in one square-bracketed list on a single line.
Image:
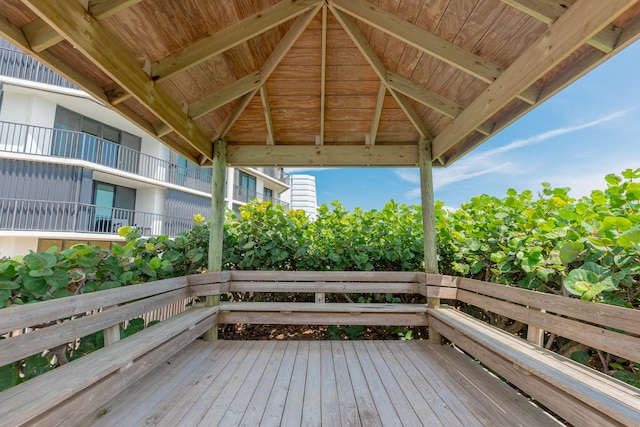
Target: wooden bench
[(575, 392), (321, 312), (69, 392)]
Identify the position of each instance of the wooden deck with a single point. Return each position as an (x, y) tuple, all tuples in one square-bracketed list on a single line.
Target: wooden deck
[(329, 383)]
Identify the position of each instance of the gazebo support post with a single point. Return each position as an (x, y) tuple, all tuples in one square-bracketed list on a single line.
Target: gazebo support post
[(429, 224), (216, 235)]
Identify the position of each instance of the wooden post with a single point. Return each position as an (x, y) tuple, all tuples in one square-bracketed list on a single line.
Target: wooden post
[(429, 224), (112, 333), (216, 236), (535, 335)]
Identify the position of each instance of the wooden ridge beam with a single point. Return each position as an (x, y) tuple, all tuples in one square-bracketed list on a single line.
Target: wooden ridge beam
[(548, 11), (71, 19), (571, 31), (230, 37), (225, 95), (323, 155), (268, 67), (376, 63), (427, 42), (41, 36)]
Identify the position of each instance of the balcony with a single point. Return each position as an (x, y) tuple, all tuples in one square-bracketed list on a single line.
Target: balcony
[(277, 173), (41, 215), (243, 194), (35, 140), (19, 65)]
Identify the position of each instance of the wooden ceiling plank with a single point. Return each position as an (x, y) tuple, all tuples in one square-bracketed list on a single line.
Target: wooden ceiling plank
[(377, 113), (116, 94), (323, 74), (230, 37), (224, 95), (268, 67), (405, 154), (378, 67), (271, 133), (548, 11), (41, 36), (427, 42), (420, 38), (569, 32), (72, 20)]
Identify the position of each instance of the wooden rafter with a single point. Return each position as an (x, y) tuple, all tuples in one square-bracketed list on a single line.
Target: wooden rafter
[(230, 37), (225, 95), (41, 36), (377, 113), (548, 11), (571, 30), (268, 67), (378, 67), (428, 43), (71, 19), (271, 134)]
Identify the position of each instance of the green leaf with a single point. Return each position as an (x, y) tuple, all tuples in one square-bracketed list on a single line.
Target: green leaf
[(58, 280), (8, 285), (40, 260), (8, 376), (580, 281), (155, 263), (580, 357), (570, 251), (498, 257)]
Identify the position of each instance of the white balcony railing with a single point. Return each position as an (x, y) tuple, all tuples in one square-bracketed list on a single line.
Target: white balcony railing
[(36, 140), (243, 194), (17, 64), (42, 215)]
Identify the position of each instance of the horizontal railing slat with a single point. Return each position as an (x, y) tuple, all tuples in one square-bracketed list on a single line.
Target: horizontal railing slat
[(612, 342), (311, 307), (328, 276), (602, 314), (302, 318), (36, 341), (209, 278), (317, 286), (22, 316)]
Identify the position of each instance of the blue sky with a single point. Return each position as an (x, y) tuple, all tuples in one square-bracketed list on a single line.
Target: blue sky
[(590, 129)]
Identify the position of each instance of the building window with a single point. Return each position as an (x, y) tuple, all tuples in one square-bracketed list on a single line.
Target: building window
[(81, 137), (247, 189), (114, 206), (268, 195)]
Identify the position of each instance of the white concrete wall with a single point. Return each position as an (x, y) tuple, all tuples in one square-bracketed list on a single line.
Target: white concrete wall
[(150, 200), (26, 109), (11, 246)]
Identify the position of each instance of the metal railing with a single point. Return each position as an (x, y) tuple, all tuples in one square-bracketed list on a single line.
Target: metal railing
[(36, 140), (19, 65), (243, 194), (277, 173), (42, 215)]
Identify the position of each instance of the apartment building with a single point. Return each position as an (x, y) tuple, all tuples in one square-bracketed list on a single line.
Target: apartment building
[(303, 194), (72, 170)]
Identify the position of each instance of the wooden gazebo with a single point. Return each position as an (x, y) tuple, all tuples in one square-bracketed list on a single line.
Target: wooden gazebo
[(327, 83)]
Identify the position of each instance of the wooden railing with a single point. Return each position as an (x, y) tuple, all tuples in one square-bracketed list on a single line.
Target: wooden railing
[(579, 394)]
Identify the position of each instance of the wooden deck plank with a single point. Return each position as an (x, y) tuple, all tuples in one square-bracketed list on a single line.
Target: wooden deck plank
[(367, 410), (236, 403), (445, 410), (241, 381), (499, 393), (346, 397), (328, 386), (365, 383), (396, 394), (311, 408), (209, 379), (258, 402), (142, 396), (386, 410), (278, 397), (414, 396), (292, 414)]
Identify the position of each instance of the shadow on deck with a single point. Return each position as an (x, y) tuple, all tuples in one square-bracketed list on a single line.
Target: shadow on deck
[(329, 383)]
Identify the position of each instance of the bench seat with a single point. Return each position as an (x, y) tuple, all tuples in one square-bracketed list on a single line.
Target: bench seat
[(556, 381)]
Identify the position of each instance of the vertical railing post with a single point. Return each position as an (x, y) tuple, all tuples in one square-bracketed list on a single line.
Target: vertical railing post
[(535, 334), (216, 236), (429, 224)]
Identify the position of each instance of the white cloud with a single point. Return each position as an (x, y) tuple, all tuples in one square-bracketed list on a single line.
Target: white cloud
[(497, 161)]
